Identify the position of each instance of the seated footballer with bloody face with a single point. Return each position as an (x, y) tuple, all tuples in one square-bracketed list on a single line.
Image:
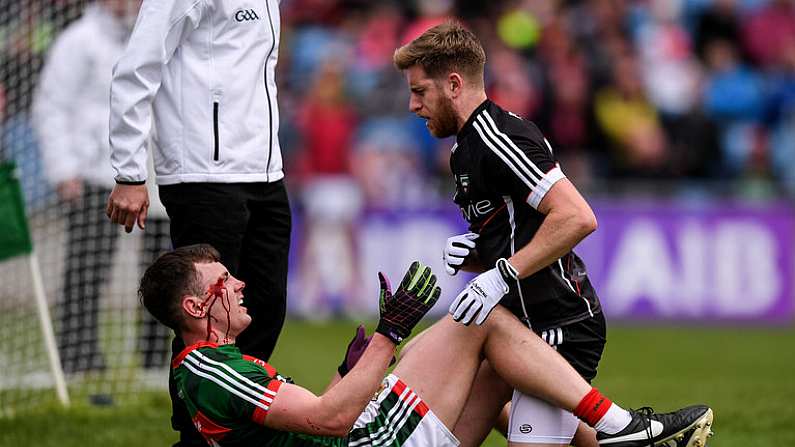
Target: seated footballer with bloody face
[(238, 400)]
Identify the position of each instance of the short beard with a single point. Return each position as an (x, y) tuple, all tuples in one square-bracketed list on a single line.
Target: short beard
[(446, 121)]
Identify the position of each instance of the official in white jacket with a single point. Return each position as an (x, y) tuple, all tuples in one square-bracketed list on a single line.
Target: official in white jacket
[(70, 115), (206, 71)]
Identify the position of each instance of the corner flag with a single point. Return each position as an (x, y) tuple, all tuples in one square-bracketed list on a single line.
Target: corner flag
[(14, 233), (15, 241)]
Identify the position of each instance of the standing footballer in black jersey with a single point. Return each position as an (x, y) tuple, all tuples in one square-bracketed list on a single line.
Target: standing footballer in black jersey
[(524, 216)]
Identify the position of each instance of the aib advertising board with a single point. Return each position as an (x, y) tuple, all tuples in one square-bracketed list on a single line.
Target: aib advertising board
[(660, 261)]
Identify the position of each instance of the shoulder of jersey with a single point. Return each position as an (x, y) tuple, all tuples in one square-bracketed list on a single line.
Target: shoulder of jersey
[(514, 125)]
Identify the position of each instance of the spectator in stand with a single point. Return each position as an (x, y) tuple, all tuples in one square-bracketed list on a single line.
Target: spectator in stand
[(511, 84), (374, 85), (429, 14), (388, 167), (672, 76), (631, 123), (566, 115), (599, 30), (719, 21), (781, 120), (768, 31), (331, 197), (733, 98), (669, 69)]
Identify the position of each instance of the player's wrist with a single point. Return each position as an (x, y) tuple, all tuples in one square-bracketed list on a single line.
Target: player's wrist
[(507, 271), (384, 338), (491, 284), (390, 332)]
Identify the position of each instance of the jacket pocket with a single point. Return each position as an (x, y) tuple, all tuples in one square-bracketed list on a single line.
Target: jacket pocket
[(216, 143)]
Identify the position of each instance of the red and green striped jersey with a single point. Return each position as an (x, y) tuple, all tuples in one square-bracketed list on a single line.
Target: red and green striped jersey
[(228, 395)]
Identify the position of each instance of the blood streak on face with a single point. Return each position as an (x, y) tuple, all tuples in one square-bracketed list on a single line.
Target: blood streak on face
[(214, 292), (228, 308)]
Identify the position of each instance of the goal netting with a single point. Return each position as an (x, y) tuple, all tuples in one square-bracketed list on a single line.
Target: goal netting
[(108, 348)]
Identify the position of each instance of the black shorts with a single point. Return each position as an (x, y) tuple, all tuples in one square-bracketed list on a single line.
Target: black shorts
[(580, 343)]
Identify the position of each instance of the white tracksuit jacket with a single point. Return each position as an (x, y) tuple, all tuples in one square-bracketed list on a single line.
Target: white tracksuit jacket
[(207, 67)]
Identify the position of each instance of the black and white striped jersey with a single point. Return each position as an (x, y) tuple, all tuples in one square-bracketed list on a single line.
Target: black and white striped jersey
[(503, 167)]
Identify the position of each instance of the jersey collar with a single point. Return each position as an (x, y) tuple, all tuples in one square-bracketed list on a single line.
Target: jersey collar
[(467, 128), (179, 358)]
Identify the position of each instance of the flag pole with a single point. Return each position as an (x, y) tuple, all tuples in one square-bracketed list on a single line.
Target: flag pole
[(47, 331)]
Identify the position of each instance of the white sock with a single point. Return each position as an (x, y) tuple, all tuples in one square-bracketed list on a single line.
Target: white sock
[(615, 420)]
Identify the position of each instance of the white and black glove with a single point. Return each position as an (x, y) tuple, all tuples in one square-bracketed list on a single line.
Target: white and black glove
[(456, 251), (483, 293)]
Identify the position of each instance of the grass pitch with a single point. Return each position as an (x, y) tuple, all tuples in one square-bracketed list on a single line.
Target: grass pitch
[(745, 374)]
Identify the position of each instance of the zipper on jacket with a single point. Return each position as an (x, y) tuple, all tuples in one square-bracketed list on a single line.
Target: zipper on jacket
[(216, 149)]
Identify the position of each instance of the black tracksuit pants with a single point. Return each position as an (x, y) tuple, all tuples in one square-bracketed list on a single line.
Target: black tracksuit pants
[(249, 224)]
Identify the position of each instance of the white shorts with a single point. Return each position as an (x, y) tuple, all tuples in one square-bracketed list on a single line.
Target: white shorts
[(397, 416), (534, 421)]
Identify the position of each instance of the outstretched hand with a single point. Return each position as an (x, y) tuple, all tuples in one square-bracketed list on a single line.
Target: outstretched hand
[(415, 296)]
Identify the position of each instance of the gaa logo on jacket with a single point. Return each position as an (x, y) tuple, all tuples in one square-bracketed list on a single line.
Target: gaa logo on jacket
[(245, 15)]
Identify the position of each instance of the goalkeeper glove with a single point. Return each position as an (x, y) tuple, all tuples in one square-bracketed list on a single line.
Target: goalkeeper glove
[(414, 297), (456, 251), (483, 293)]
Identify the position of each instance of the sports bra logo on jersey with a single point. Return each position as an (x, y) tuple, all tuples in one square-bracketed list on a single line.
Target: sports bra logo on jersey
[(475, 210)]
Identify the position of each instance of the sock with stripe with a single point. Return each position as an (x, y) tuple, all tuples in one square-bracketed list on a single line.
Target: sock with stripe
[(601, 413)]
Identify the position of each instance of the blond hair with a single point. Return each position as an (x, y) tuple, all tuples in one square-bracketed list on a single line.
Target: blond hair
[(444, 49)]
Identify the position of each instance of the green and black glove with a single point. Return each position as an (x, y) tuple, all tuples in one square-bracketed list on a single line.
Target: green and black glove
[(415, 296)]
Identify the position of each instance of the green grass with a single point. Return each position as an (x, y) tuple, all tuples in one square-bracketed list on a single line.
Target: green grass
[(745, 374)]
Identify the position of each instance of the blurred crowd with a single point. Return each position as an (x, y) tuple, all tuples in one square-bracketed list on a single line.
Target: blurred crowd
[(625, 90)]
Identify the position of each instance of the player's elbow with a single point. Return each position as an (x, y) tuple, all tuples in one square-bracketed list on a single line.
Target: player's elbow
[(341, 424), (585, 222), (327, 425), (336, 422), (589, 223), (342, 431)]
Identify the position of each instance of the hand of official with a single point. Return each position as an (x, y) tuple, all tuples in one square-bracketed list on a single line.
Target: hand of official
[(415, 296), (483, 293), (355, 350), (456, 251), (127, 205)]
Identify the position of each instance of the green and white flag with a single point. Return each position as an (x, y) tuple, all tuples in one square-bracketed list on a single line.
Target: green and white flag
[(14, 232), (15, 241)]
